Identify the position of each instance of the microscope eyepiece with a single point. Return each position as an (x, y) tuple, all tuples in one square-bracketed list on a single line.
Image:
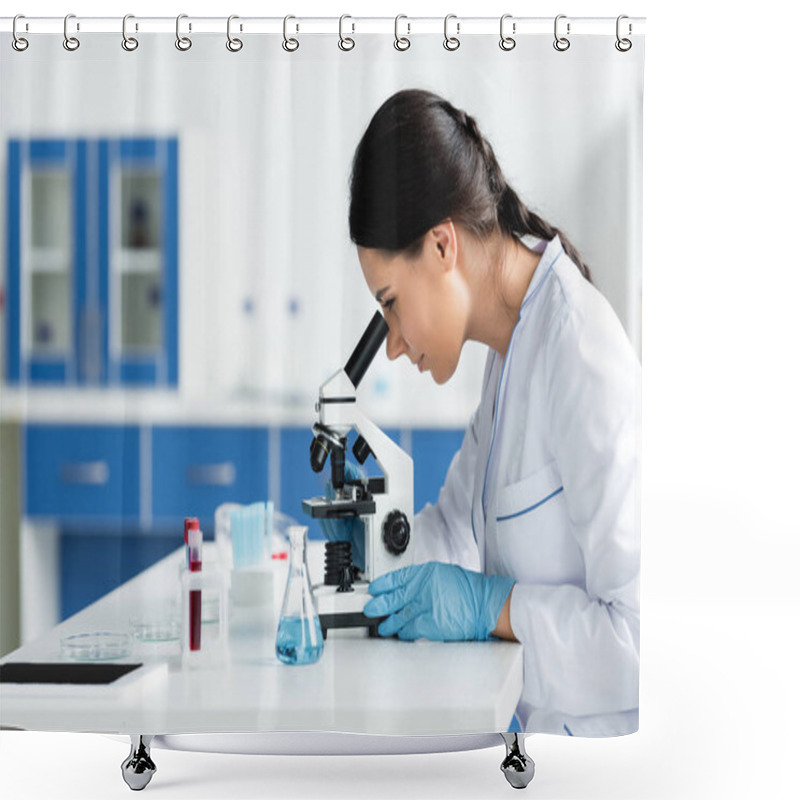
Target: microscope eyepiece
[(366, 349)]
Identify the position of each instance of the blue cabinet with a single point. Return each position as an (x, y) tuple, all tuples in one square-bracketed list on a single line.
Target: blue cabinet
[(432, 450), (92, 262), (95, 562), (298, 481), (197, 468), (132, 477), (119, 493), (97, 472), (86, 473)]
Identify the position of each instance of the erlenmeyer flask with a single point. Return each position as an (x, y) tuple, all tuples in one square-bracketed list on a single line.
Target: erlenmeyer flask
[(299, 639)]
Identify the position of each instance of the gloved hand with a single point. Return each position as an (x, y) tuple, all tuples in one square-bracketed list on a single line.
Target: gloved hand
[(438, 601), (346, 529)]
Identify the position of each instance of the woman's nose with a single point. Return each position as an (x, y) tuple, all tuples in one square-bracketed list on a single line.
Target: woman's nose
[(395, 344)]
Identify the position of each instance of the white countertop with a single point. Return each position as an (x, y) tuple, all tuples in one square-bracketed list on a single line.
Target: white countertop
[(148, 406), (132, 406), (378, 686)]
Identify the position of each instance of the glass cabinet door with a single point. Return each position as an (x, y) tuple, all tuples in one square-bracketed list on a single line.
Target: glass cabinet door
[(50, 264), (46, 267), (139, 264), (92, 262), (139, 185)]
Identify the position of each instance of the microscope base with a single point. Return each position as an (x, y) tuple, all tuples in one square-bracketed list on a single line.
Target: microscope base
[(342, 613)]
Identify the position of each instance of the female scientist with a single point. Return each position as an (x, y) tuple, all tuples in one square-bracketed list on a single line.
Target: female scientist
[(535, 535)]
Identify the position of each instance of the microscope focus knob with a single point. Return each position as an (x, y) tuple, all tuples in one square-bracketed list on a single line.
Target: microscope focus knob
[(396, 532)]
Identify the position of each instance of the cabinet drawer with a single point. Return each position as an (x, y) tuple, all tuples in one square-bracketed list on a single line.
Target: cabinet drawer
[(82, 471), (195, 469), (432, 450)]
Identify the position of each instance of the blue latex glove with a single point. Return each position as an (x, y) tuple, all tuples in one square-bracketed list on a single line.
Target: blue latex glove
[(438, 601), (346, 529)]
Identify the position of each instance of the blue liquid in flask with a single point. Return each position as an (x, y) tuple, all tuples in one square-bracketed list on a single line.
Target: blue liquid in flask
[(297, 641)]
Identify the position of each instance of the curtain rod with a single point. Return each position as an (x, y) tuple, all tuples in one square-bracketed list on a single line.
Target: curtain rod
[(297, 25)]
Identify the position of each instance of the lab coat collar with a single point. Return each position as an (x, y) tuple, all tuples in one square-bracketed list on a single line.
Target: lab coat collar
[(549, 251)]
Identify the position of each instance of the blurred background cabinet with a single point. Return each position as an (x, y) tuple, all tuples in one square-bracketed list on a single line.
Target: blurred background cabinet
[(92, 260), (100, 503), (91, 302)]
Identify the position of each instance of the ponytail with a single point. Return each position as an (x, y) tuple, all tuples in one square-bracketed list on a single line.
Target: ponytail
[(513, 216), (421, 161), (516, 218)]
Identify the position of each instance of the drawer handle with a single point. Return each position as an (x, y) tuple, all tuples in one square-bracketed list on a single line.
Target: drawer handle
[(87, 473), (212, 474)]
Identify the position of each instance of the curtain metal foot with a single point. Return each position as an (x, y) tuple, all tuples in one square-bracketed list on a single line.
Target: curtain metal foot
[(138, 768), (517, 766)]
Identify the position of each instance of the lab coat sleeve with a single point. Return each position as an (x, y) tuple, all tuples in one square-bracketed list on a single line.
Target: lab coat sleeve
[(585, 643), (443, 531)]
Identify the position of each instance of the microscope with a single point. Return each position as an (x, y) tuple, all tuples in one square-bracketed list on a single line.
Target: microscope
[(385, 504)]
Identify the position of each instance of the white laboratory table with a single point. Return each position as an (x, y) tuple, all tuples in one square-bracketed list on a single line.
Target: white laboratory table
[(360, 685)]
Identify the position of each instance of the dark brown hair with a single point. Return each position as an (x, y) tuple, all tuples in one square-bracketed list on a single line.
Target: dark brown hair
[(422, 161)]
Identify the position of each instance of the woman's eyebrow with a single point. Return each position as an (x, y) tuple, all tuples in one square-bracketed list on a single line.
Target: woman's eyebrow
[(380, 293)]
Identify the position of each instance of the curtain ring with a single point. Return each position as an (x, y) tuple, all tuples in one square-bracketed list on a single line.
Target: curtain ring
[(561, 43), (234, 45), (182, 42), (346, 43), (401, 43), (129, 43), (18, 43), (451, 42), (289, 45), (623, 45), (70, 42), (507, 42)]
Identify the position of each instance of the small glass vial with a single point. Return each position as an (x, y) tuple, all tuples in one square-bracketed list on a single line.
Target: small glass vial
[(299, 638), (204, 640)]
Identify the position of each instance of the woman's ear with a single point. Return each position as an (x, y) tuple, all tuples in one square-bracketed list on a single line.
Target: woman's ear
[(446, 243)]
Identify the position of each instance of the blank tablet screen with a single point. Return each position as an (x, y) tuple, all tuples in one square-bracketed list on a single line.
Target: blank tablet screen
[(78, 673)]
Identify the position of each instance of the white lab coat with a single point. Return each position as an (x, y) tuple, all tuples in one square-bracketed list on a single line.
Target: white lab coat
[(546, 490)]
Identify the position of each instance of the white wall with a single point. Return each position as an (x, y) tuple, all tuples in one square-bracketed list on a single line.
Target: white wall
[(266, 142)]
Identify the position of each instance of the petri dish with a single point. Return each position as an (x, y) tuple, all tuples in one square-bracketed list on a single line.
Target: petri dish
[(97, 646)]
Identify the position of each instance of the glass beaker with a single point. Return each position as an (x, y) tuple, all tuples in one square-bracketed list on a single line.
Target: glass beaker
[(299, 638)]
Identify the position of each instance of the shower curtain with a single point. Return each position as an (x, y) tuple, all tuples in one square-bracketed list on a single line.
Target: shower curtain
[(183, 271)]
